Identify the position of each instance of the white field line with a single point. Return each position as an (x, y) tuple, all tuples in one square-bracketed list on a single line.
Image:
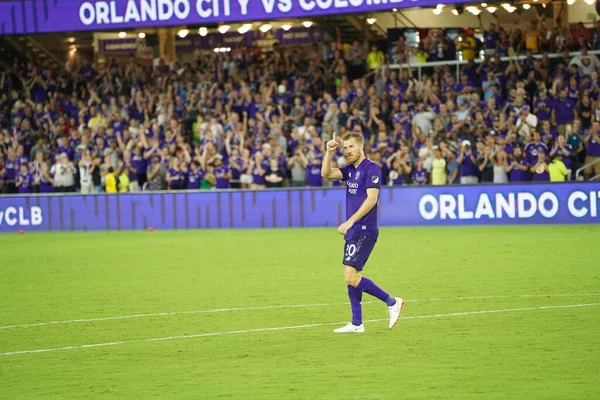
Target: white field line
[(219, 310), (282, 328)]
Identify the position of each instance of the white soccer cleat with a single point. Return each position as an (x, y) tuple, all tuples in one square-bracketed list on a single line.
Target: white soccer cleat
[(394, 312), (351, 329)]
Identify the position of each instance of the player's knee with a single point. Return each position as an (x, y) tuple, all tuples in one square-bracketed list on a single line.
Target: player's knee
[(352, 278)]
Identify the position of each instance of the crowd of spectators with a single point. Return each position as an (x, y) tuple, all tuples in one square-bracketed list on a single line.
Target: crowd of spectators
[(253, 119), (441, 45)]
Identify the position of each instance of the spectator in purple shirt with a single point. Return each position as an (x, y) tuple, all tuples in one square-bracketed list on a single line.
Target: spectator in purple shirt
[(419, 174), (539, 169), (534, 148), (313, 171), (25, 180), (222, 173), (11, 170), (563, 149), (563, 112), (175, 176), (467, 159), (518, 169), (258, 168)]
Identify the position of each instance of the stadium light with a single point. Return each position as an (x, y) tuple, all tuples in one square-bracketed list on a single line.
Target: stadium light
[(395, 10), (223, 49), (589, 2), (307, 24), (216, 50), (244, 28), (437, 11), (223, 29), (203, 31), (265, 28), (371, 20), (484, 5), (183, 33), (141, 35), (473, 10), (492, 9), (570, 2), (286, 27), (122, 35), (526, 6), (455, 11)]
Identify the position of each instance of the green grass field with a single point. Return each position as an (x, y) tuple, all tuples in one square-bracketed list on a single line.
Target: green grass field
[(209, 299)]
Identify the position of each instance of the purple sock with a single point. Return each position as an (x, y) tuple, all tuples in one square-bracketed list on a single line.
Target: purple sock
[(368, 286), (355, 296)]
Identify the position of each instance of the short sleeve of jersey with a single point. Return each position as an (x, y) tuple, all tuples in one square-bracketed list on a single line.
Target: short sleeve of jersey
[(373, 178), (345, 171)]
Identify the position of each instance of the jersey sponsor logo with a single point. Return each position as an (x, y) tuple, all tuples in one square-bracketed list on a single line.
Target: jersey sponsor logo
[(357, 175), (352, 187)]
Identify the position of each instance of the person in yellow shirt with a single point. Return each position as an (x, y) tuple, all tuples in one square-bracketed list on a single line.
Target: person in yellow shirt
[(123, 181), (374, 58), (531, 38), (111, 181), (467, 46), (438, 168), (557, 170)]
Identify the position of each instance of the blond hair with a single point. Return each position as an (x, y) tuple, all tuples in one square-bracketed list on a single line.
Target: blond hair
[(356, 136)]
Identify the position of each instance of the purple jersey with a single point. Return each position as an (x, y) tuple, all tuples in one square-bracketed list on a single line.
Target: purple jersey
[(222, 180), (194, 179), (10, 169), (533, 149), (593, 147), (313, 175), (358, 180), (566, 159), (26, 180), (139, 164), (518, 175)]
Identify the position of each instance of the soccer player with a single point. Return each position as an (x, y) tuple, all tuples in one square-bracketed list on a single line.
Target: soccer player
[(363, 181)]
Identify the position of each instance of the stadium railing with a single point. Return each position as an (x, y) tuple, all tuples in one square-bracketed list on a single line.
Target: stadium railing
[(457, 63), (586, 166)]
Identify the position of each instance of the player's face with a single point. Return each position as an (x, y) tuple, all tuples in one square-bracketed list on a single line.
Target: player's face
[(352, 150)]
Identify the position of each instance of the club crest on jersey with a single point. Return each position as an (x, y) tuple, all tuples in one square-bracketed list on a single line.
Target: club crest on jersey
[(357, 175), (375, 179)]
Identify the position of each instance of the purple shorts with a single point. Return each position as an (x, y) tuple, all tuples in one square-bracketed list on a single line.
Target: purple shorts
[(357, 251)]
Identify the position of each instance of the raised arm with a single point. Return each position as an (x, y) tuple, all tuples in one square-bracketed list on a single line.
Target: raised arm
[(326, 170)]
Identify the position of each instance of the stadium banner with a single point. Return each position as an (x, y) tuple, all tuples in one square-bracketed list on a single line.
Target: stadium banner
[(291, 37), (569, 203), (119, 46), (44, 16), (213, 40)]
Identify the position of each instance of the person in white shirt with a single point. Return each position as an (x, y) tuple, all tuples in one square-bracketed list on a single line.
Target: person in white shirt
[(85, 173), (64, 174), (424, 120), (586, 63), (526, 122)]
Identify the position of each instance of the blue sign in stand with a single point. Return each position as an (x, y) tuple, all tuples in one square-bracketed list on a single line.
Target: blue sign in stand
[(569, 203)]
